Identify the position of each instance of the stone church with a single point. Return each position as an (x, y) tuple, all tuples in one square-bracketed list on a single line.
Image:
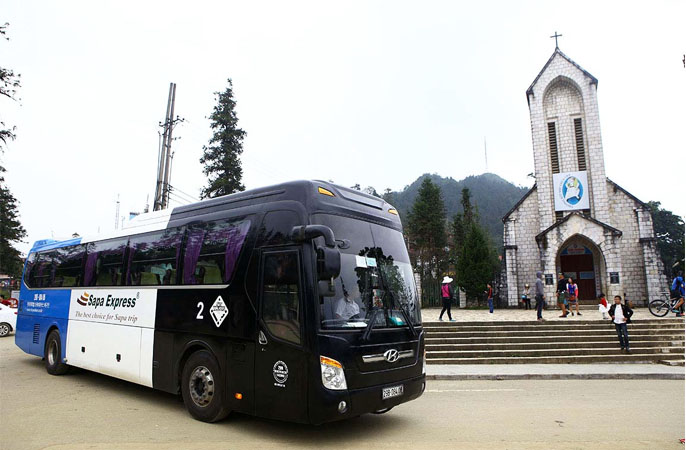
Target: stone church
[(575, 220)]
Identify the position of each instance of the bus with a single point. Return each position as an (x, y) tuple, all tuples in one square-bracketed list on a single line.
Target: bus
[(294, 302)]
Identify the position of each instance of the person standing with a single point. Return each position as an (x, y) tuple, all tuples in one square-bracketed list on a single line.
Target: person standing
[(447, 295), (562, 294), (678, 289), (573, 294), (540, 296), (489, 296), (525, 298), (602, 306), (621, 315)]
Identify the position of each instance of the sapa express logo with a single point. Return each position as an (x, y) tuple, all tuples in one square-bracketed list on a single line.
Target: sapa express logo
[(109, 301)]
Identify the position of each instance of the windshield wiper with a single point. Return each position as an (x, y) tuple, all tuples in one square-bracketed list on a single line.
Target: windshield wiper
[(370, 325)]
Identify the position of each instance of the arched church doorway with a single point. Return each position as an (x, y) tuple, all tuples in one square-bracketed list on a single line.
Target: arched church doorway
[(582, 261)]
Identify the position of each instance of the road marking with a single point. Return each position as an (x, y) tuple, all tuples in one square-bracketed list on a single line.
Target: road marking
[(473, 390)]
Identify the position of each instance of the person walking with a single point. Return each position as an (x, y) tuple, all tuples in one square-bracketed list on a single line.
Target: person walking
[(525, 298), (540, 296), (489, 296), (573, 294), (678, 289), (621, 316), (562, 294), (447, 295)]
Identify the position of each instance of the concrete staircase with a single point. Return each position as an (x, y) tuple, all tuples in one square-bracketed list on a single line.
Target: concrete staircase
[(552, 342)]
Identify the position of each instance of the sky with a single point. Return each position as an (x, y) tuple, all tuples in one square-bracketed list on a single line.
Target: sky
[(369, 92)]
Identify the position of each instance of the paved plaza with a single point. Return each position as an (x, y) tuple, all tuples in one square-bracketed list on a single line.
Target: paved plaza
[(516, 315), (85, 410)]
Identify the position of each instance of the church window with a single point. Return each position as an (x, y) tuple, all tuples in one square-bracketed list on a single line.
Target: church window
[(552, 140), (580, 151)]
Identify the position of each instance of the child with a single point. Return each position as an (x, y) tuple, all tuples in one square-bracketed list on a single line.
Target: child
[(621, 315), (602, 306), (525, 298), (573, 295)]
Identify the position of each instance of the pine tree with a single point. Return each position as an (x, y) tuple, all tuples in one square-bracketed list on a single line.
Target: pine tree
[(477, 262), (474, 265), (427, 231), (221, 158), (11, 230)]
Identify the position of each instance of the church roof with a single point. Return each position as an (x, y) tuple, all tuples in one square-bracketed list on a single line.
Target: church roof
[(613, 230), (629, 194), (557, 51), (521, 200)]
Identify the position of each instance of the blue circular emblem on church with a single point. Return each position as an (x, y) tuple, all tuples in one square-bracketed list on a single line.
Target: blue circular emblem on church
[(572, 190)]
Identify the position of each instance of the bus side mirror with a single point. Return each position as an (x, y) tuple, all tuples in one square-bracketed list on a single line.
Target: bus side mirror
[(308, 232), (327, 288), (328, 263)]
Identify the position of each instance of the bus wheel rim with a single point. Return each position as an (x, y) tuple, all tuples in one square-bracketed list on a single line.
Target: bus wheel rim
[(52, 353), (201, 386)]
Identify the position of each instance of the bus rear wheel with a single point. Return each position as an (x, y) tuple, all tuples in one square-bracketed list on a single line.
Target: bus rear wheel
[(53, 354), (202, 388)]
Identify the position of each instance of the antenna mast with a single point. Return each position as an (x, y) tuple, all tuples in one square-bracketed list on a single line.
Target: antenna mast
[(486, 154)]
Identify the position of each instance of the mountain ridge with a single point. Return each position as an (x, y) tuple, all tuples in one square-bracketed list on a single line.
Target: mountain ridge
[(491, 194)]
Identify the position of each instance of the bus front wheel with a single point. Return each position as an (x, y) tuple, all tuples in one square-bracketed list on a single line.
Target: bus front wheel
[(53, 354), (202, 388)]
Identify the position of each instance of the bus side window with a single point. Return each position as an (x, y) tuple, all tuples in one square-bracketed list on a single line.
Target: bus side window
[(69, 263), (280, 295), (42, 271), (105, 262), (212, 251), (154, 258)]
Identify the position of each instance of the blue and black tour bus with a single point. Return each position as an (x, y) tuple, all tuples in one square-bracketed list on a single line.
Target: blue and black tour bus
[(294, 302)]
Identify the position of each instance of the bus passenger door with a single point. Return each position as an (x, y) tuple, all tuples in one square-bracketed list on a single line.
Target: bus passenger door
[(280, 357)]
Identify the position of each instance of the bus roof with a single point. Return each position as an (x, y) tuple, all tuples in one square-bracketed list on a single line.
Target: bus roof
[(308, 192)]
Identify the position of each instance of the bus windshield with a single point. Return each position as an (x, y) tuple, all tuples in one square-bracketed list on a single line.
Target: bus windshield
[(376, 281)]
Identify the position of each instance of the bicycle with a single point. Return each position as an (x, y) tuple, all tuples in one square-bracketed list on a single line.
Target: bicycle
[(662, 307)]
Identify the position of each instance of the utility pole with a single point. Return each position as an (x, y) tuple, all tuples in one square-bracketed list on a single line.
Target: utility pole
[(165, 155), (116, 215)]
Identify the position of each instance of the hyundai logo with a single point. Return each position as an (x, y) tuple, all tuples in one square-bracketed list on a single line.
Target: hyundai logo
[(391, 355)]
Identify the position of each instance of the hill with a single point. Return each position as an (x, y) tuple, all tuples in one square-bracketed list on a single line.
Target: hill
[(492, 195)]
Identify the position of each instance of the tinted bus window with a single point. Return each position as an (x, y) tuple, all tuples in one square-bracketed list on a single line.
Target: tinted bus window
[(280, 296), (42, 270), (212, 251), (104, 263), (154, 258), (69, 265)]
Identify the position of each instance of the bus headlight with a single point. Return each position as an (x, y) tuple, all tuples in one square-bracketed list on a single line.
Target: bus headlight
[(333, 376)]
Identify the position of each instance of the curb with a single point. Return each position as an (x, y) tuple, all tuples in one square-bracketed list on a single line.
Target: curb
[(559, 376)]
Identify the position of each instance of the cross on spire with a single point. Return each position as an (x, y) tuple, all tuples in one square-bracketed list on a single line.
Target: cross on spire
[(556, 36)]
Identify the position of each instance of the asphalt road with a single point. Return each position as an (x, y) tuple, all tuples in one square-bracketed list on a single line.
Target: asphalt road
[(89, 411)]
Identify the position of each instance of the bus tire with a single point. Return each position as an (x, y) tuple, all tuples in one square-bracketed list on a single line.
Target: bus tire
[(53, 354), (202, 388)]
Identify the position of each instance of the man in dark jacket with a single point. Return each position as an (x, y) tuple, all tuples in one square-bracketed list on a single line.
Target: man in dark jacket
[(621, 315), (540, 296)]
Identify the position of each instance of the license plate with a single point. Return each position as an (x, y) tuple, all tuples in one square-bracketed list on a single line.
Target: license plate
[(391, 392)]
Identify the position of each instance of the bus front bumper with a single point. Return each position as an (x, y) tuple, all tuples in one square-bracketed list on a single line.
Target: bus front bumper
[(364, 400)]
